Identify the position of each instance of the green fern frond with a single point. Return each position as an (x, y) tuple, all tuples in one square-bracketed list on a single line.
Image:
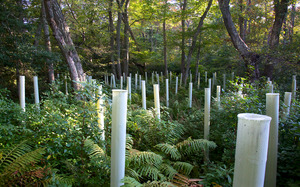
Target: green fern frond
[(94, 151), (132, 173), (150, 171), (169, 150), (145, 158), (183, 167), (129, 141), (129, 182), (168, 170), (158, 184), (190, 146)]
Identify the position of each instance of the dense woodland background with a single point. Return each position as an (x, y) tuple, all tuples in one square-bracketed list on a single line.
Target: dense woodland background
[(76, 37)]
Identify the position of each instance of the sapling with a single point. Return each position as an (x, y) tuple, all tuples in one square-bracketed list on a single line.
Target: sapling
[(22, 92), (251, 150), (272, 110), (118, 137)]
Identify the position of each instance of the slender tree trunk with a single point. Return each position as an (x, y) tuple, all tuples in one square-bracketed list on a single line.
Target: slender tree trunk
[(126, 39), (51, 76), (251, 58), (293, 13), (61, 33), (112, 39), (120, 6), (198, 60), (165, 47), (194, 40), (183, 70), (241, 20)]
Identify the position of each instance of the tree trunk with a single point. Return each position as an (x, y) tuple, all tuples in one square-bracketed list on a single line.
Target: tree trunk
[(165, 45), (194, 40), (197, 62), (241, 20), (126, 39), (280, 14), (120, 5), (183, 70), (251, 58), (112, 39), (51, 76), (61, 33), (293, 13)]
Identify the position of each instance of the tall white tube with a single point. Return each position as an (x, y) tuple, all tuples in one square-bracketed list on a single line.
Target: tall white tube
[(294, 87), (190, 94), (209, 83), (251, 150), (129, 87), (272, 110), (224, 82), (135, 81), (191, 77), (207, 113), (157, 76), (124, 77), (100, 109), (114, 81), (156, 100), (198, 85), (36, 90), (144, 94), (176, 86), (167, 92), (118, 137), (218, 96), (140, 82), (121, 82), (206, 76), (287, 104), (22, 92)]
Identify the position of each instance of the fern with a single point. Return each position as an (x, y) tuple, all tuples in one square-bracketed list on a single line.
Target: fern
[(183, 167), (190, 146), (129, 182), (168, 170), (145, 158), (94, 151), (169, 150)]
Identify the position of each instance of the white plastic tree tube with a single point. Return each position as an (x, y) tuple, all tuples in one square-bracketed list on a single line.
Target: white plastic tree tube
[(121, 82), (294, 87), (135, 81), (129, 87), (270, 88), (140, 82), (146, 77), (124, 77), (114, 81), (191, 77), (287, 104), (224, 82), (218, 96), (167, 92), (156, 100), (176, 86), (22, 92), (207, 113), (118, 137), (157, 76), (100, 109), (209, 83), (206, 76), (198, 85), (251, 150), (272, 110), (190, 94), (144, 94), (36, 90)]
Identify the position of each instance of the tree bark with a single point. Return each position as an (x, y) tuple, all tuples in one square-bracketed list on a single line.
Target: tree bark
[(251, 58), (280, 14), (126, 39), (120, 5), (165, 39), (112, 39), (61, 33), (183, 70), (194, 40), (51, 76), (241, 20)]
